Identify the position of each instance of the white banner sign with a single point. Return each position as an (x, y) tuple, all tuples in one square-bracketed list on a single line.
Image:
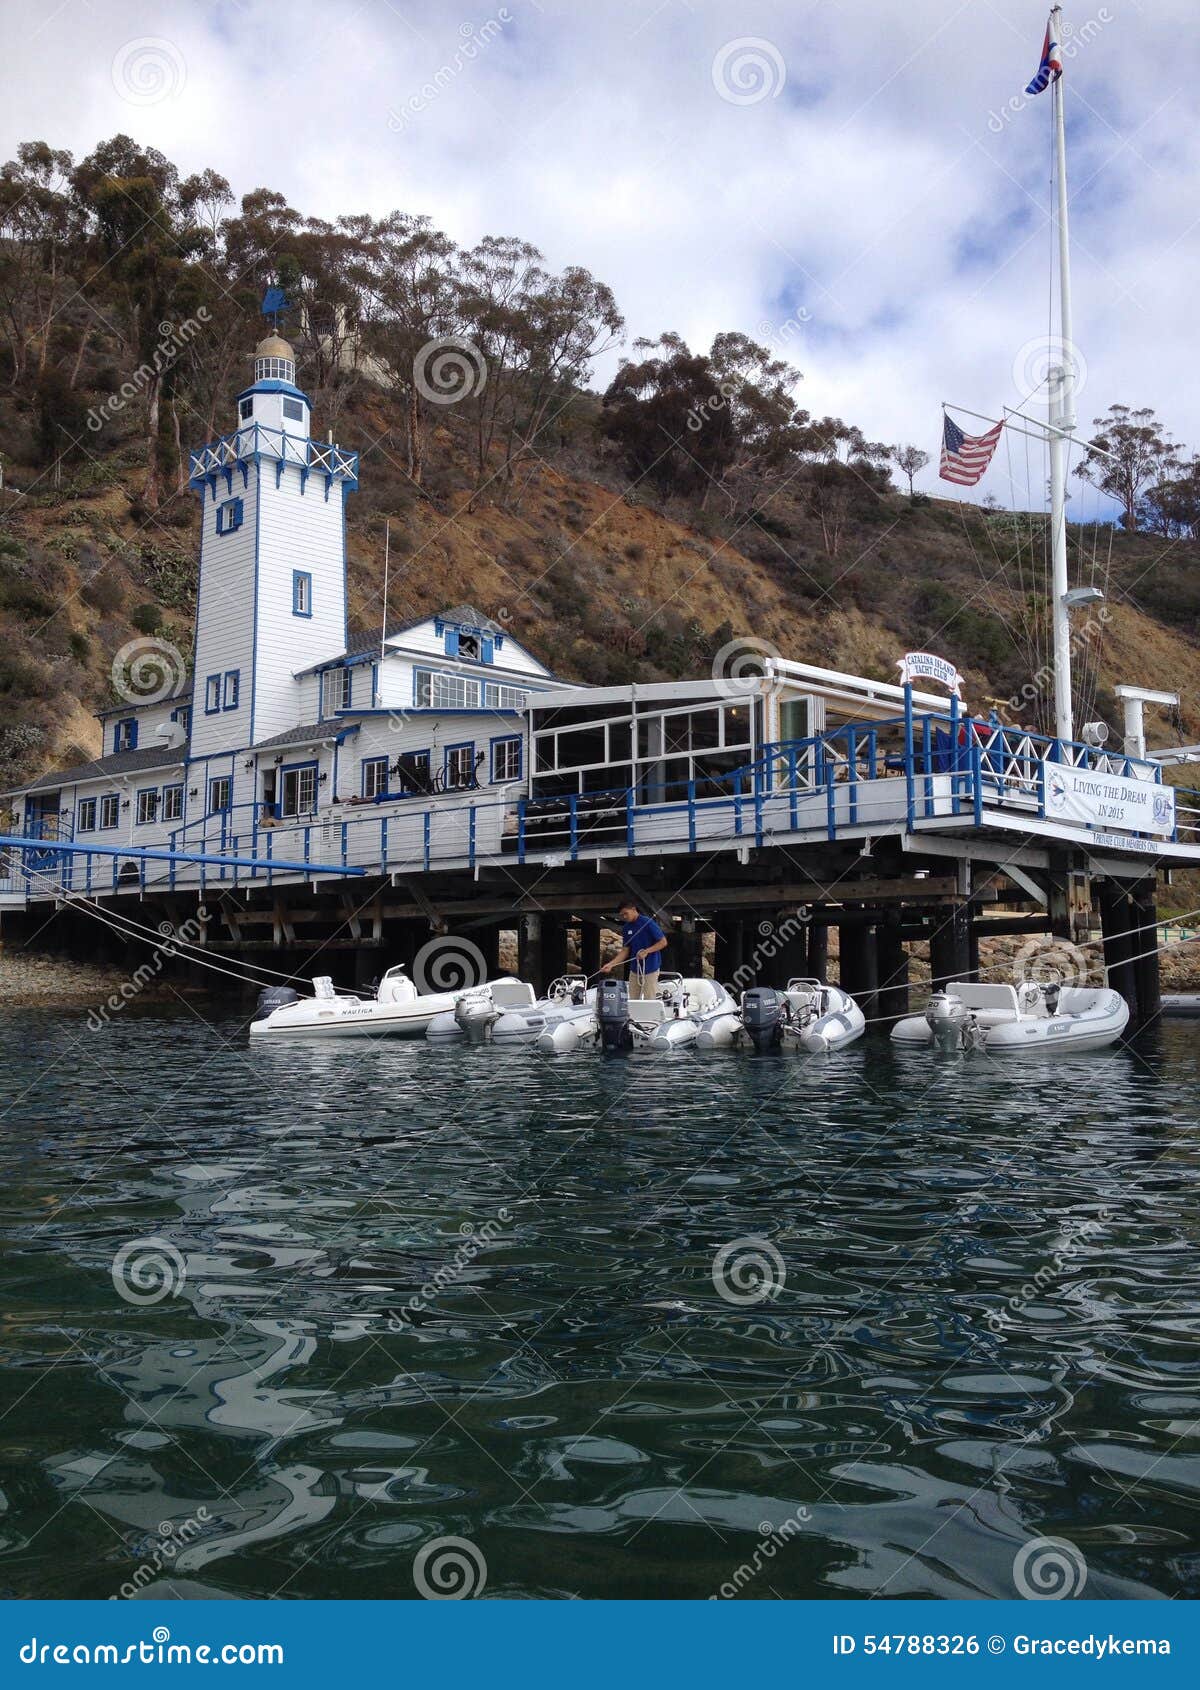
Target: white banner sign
[(925, 666), (1113, 802)]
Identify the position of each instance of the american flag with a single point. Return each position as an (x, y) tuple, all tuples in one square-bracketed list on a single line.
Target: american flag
[(966, 456), (1050, 68)]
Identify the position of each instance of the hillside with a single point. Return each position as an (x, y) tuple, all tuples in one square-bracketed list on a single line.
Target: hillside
[(604, 579), (628, 535)]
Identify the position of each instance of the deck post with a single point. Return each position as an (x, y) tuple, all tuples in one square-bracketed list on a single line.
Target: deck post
[(790, 946), (488, 940), (686, 949), (892, 998), (554, 949), (949, 945), (1145, 959), (858, 971), (1116, 918), (816, 964), (530, 954)]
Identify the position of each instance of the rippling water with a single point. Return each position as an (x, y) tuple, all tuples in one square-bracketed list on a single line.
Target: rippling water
[(414, 1293)]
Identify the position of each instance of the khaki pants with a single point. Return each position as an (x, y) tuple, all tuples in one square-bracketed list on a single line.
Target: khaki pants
[(643, 985)]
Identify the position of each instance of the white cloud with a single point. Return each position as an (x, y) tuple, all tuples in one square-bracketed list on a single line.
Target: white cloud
[(885, 189)]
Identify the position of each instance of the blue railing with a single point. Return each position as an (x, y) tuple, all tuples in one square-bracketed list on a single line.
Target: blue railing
[(911, 769)]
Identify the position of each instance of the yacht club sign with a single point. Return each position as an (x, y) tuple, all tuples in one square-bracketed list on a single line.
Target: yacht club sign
[(1113, 802)]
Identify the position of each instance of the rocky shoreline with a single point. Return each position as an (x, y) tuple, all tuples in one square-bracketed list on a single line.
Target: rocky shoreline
[(27, 978)]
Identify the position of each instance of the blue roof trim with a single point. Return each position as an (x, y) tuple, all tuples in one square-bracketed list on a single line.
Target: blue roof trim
[(275, 386)]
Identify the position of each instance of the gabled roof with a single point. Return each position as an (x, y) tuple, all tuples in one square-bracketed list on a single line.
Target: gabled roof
[(117, 763)]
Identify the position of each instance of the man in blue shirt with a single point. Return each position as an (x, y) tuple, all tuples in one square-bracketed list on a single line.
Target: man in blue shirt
[(642, 944)]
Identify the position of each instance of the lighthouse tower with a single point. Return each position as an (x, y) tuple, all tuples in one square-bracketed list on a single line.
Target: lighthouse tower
[(271, 599)]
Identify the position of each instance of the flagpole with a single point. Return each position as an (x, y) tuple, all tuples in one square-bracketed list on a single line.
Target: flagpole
[(1062, 420)]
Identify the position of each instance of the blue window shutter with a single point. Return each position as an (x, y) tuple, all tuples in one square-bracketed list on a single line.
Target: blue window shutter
[(487, 649), (451, 642)]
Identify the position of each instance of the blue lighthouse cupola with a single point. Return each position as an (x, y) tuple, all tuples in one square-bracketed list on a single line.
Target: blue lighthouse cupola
[(275, 401)]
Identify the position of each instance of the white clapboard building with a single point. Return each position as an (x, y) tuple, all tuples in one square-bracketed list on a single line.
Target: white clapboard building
[(291, 726)]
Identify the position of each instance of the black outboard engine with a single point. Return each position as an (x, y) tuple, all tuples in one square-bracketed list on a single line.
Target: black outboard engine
[(763, 1011), (612, 1015), (272, 998)]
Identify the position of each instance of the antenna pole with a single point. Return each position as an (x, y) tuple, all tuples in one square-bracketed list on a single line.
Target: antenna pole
[(1062, 419), (387, 547)]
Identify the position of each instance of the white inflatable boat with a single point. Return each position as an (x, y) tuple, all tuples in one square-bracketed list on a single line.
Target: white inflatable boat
[(477, 1012), (397, 1010), (806, 1015), (1005, 1021), (670, 1021)]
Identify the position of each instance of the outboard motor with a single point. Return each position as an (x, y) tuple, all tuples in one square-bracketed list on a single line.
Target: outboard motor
[(612, 1015), (947, 1018), (762, 1016), (272, 998), (476, 1011)]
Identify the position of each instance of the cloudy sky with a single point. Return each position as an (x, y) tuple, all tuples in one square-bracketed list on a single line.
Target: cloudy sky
[(863, 186)]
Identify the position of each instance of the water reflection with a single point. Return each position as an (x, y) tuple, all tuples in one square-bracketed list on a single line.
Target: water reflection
[(433, 1293)]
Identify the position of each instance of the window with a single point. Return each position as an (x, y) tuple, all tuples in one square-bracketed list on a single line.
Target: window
[(229, 516), (233, 688), (374, 776), (212, 695), (147, 805), (172, 804), (505, 698), (299, 790), (460, 766), (125, 734), (183, 715), (220, 793), (337, 690), (301, 593), (412, 771), (433, 690), (110, 810), (274, 369), (87, 815), (245, 410), (506, 758), (293, 411)]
